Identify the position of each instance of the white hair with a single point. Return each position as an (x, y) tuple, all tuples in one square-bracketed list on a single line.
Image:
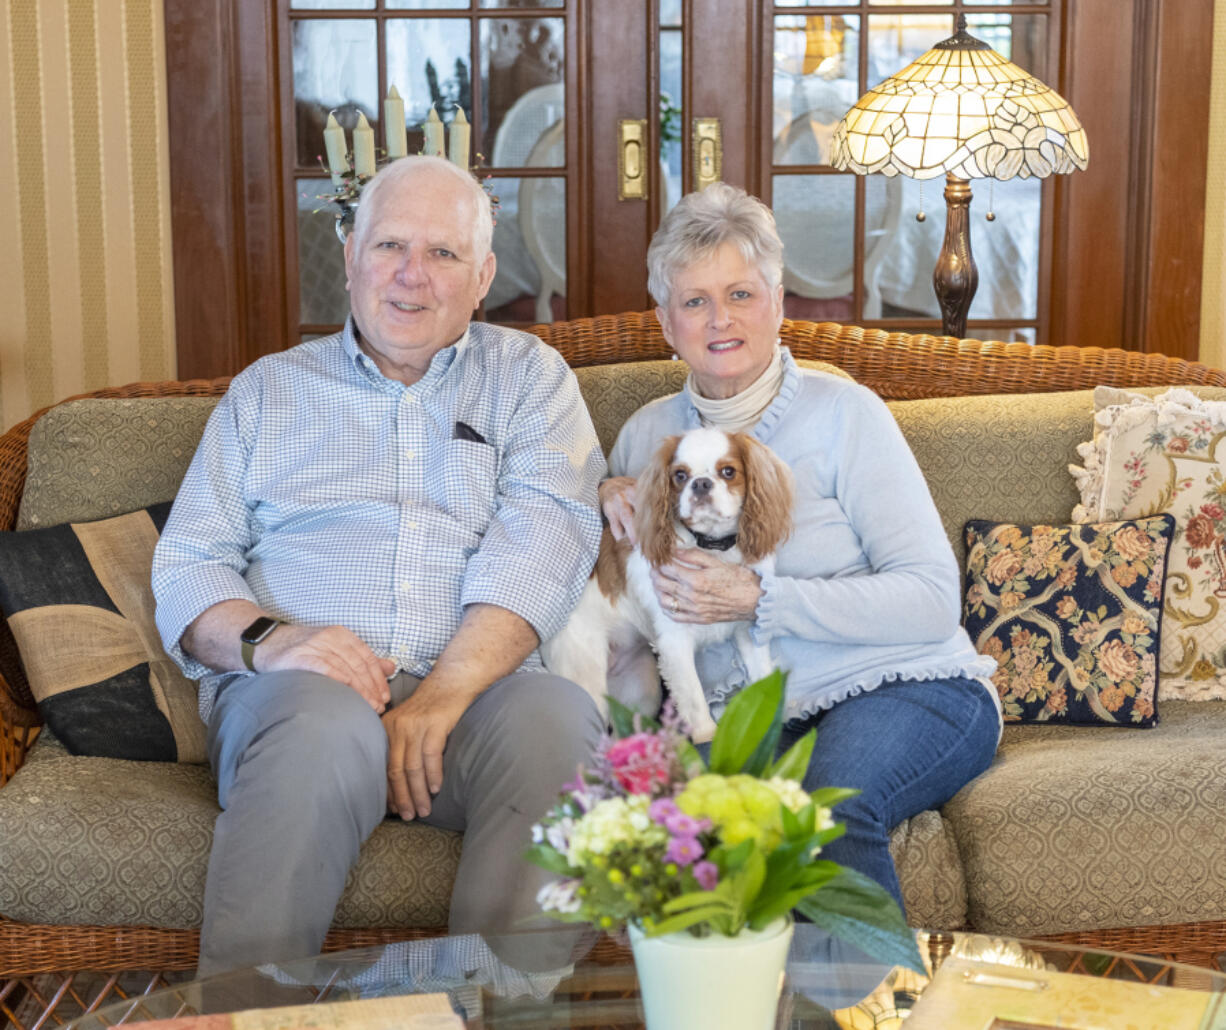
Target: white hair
[(704, 221), (410, 167)]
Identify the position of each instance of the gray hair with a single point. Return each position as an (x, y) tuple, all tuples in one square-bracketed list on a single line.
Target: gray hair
[(700, 224), (409, 167)]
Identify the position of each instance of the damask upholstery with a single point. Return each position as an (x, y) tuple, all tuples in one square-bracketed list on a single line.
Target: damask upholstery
[(94, 458), (98, 841), (1075, 827)]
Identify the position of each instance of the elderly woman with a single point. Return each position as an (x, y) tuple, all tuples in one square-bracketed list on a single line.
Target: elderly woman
[(863, 607)]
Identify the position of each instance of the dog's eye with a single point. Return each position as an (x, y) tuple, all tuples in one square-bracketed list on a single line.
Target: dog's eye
[(679, 477), (728, 472)]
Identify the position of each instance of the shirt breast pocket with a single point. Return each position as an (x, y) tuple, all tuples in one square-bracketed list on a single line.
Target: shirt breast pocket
[(470, 483)]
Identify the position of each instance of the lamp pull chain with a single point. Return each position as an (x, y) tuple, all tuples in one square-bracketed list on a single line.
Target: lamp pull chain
[(991, 215), (919, 215)]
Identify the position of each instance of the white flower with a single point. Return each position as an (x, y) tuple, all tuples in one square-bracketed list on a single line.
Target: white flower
[(538, 833), (558, 835), (611, 822), (559, 896)]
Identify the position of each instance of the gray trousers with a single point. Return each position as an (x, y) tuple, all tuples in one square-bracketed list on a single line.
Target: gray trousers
[(301, 767)]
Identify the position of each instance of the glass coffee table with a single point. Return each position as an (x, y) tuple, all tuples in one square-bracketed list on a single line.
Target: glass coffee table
[(972, 981)]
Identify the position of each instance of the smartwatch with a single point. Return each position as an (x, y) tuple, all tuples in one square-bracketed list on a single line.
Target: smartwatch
[(255, 634)]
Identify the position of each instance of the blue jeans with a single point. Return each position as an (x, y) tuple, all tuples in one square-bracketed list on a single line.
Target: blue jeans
[(907, 747)]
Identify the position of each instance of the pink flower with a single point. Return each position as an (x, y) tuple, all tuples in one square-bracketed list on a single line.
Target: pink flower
[(640, 762), (1200, 532), (663, 809), (686, 825), (707, 875), (683, 850), (1178, 444), (1214, 511)]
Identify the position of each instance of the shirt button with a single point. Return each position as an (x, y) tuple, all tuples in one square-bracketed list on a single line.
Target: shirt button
[(410, 455), (412, 525), (405, 586)]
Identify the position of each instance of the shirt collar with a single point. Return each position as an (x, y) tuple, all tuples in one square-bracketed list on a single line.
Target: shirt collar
[(440, 364)]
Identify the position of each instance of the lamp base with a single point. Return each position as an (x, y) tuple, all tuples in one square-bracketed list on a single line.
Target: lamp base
[(955, 277)]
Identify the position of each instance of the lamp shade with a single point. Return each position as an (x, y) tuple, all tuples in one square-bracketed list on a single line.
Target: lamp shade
[(960, 109)]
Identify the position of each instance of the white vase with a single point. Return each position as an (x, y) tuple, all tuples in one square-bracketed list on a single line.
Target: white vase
[(709, 983)]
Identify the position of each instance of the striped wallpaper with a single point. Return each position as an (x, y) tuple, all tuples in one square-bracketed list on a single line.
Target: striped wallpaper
[(1213, 288), (86, 292)]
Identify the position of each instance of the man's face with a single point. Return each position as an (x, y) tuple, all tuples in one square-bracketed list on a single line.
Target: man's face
[(414, 277)]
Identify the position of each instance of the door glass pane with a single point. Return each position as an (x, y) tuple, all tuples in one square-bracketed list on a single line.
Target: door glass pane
[(523, 3), (428, 62), (332, 5), (1006, 251), (523, 95), (1021, 38), (671, 120), (816, 80), (335, 68), (904, 3), (815, 215), (812, 3), (895, 40), (322, 297), (530, 243), (434, 5)]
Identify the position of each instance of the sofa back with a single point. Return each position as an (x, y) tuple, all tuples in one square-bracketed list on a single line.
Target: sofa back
[(1003, 457)]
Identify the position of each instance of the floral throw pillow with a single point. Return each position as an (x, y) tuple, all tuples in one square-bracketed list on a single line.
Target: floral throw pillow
[(1166, 454), (1072, 616)]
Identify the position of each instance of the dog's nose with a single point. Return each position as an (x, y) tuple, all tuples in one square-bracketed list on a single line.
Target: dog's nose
[(701, 486)]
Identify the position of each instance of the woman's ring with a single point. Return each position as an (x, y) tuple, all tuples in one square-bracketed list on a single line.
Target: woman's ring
[(674, 604)]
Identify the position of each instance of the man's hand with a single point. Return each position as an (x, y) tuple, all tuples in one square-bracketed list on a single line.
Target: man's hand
[(617, 503), (417, 732), (490, 643), (213, 638), (331, 651)]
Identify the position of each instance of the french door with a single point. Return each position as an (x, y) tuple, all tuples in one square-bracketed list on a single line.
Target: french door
[(592, 117)]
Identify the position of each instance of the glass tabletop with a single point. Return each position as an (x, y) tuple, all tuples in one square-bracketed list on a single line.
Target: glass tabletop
[(499, 983)]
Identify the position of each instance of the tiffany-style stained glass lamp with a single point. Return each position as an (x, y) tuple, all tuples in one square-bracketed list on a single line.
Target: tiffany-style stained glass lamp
[(960, 110)]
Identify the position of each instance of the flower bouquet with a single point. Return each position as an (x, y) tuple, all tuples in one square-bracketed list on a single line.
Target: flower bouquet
[(657, 839)]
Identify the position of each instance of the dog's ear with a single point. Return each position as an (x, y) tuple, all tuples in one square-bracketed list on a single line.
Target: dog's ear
[(653, 508), (766, 517)]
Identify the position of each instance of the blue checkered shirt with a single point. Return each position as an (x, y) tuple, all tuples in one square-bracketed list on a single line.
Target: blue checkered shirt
[(329, 494)]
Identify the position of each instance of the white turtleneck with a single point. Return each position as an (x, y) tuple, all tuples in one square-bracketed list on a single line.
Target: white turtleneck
[(742, 410)]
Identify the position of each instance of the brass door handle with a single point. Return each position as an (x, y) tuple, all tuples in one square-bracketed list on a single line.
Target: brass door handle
[(631, 166), (708, 144)]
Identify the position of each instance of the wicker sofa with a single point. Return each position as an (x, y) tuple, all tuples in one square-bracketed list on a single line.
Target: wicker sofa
[(1107, 836)]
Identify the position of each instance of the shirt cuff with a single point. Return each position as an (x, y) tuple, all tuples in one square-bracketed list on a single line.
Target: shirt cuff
[(765, 626), (180, 604)]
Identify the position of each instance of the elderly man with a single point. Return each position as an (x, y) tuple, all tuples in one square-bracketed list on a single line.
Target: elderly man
[(377, 530)]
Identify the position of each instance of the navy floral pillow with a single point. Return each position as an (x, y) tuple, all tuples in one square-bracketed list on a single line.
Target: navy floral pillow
[(1072, 616)]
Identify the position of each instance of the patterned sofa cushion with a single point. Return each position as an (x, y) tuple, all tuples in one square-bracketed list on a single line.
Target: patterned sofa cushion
[(1075, 827), (98, 457), (1002, 458), (99, 841), (87, 841)]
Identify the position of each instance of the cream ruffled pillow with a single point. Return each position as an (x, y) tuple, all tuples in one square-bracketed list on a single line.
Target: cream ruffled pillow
[(1166, 454)]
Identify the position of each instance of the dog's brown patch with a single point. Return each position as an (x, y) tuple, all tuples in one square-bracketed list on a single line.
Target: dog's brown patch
[(611, 566)]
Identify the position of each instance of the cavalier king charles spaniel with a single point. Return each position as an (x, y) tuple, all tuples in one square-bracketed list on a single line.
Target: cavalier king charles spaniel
[(723, 492)]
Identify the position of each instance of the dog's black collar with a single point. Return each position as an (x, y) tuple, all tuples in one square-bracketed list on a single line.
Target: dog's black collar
[(715, 543)]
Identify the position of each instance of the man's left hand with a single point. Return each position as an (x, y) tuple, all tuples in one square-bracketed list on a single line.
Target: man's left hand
[(696, 587), (417, 733)]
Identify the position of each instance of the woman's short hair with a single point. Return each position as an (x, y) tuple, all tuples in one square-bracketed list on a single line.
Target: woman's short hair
[(704, 221), (408, 167)]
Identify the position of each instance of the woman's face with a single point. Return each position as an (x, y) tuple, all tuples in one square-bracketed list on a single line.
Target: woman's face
[(723, 320)]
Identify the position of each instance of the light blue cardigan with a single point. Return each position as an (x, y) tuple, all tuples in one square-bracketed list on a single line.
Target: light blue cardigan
[(866, 589)]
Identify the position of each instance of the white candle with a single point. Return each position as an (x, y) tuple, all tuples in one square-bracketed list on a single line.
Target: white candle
[(460, 131), (334, 143), (363, 147), (393, 125), (434, 135)]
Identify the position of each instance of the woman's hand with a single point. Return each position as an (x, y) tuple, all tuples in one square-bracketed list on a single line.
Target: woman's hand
[(696, 587), (617, 502)]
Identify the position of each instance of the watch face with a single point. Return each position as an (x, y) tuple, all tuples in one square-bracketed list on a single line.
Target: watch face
[(258, 630)]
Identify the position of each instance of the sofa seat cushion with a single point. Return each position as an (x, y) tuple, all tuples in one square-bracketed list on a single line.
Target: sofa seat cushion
[(102, 841), (1079, 828)]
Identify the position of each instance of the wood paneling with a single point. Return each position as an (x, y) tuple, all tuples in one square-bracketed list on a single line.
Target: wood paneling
[(1129, 230), (225, 184), (618, 41)]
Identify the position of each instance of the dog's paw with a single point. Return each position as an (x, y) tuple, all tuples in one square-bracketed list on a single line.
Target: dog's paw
[(702, 727)]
